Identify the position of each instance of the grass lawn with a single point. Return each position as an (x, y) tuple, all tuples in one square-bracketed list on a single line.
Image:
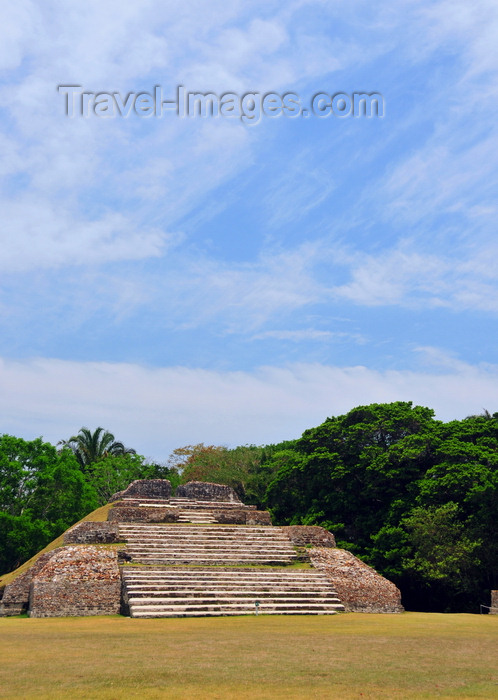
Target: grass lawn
[(412, 655)]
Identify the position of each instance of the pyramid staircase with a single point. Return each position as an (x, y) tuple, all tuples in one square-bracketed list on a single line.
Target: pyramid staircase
[(195, 570), (187, 592), (220, 545)]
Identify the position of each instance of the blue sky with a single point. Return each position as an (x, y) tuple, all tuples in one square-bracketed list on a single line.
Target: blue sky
[(201, 279)]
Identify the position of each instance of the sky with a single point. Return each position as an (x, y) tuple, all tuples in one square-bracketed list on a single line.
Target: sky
[(184, 279)]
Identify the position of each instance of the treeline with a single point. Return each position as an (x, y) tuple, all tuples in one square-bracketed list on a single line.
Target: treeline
[(414, 497)]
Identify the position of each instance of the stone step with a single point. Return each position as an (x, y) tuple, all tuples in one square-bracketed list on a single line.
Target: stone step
[(245, 552), (180, 542), (200, 577), (211, 545), (229, 581), (233, 608), (228, 587), (273, 583), (225, 613), (185, 530), (227, 596), (250, 602), (202, 584), (205, 592), (257, 529), (205, 561), (229, 584), (184, 503), (209, 550)]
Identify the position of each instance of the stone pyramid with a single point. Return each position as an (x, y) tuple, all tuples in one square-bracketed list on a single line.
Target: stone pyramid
[(200, 553)]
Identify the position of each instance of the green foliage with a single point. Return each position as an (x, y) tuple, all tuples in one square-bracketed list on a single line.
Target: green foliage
[(247, 469), (42, 492), (413, 496), (91, 447), (115, 472), (440, 549)]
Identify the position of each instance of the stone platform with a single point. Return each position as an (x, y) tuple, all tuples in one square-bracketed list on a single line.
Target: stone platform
[(200, 553)]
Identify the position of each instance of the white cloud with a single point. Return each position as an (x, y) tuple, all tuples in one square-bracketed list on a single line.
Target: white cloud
[(157, 410), (400, 276), (44, 235), (307, 334), (295, 336), (295, 193)]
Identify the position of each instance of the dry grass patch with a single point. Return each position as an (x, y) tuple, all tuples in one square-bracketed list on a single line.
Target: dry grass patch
[(412, 655)]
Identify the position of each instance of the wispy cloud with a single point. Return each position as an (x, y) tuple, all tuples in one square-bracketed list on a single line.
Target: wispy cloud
[(307, 334), (180, 406)]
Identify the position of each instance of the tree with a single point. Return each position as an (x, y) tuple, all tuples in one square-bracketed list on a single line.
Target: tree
[(90, 447), (415, 497), (42, 493), (351, 469), (247, 468), (115, 472)]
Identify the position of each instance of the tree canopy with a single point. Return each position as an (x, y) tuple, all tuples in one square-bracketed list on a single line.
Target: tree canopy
[(415, 497), (90, 447), (42, 493)]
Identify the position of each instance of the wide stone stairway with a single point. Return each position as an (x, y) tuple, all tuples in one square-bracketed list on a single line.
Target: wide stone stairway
[(197, 566), (206, 544), (184, 592)]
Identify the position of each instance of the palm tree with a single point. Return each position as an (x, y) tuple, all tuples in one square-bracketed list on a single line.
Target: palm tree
[(90, 447)]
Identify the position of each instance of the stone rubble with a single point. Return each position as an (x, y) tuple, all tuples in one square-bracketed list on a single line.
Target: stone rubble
[(360, 588)]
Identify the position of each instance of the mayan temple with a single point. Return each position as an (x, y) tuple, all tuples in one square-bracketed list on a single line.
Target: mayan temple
[(200, 553)]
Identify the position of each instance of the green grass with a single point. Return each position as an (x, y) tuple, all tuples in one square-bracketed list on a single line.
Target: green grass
[(218, 567), (412, 655)]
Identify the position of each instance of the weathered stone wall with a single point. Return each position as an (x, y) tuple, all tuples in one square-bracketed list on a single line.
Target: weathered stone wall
[(359, 587), (301, 535), (206, 491), (145, 488), (143, 514), (258, 517), (77, 580), (16, 595), (92, 533), (494, 603), (230, 516)]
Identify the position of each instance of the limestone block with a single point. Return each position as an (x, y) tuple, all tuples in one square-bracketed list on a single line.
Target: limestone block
[(257, 517), (206, 491), (16, 595), (145, 488), (142, 514), (92, 533), (230, 516), (301, 535)]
